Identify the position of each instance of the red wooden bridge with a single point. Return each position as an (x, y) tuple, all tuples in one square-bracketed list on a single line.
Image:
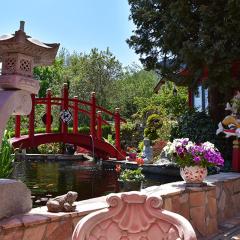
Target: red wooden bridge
[(92, 142)]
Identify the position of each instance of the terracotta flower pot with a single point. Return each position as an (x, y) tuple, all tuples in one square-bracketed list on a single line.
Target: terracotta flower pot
[(193, 174), (129, 186)]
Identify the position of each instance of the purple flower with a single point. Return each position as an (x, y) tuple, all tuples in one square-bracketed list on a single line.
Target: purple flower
[(197, 159), (197, 154), (180, 150), (185, 142)]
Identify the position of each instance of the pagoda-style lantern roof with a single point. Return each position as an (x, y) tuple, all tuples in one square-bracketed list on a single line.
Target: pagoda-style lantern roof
[(19, 42), (19, 53)]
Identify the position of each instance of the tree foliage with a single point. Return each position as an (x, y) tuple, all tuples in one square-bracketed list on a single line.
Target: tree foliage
[(50, 77), (199, 34), (93, 72), (134, 83)]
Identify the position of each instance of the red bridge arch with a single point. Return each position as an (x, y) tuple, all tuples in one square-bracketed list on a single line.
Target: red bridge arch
[(92, 142)]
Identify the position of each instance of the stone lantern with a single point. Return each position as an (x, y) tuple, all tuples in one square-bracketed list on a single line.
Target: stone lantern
[(19, 53)]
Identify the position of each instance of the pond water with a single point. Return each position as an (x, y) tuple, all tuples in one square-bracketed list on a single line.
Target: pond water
[(52, 178)]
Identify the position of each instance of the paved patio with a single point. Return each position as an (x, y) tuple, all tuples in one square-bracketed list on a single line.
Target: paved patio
[(228, 230)]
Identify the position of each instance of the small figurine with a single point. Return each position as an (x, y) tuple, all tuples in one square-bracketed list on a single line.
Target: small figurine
[(230, 125), (147, 154), (63, 203)]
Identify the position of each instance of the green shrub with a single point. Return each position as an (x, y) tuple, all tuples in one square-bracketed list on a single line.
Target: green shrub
[(143, 114), (6, 159), (131, 134), (129, 175), (154, 123), (110, 139), (140, 146), (197, 126), (82, 130), (106, 130), (50, 148)]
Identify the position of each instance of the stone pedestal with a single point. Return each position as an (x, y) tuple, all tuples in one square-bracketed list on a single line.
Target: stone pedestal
[(15, 198)]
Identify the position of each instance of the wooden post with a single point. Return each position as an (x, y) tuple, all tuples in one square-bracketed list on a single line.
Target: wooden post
[(93, 115), (117, 129), (236, 156), (32, 118), (75, 115), (48, 112), (65, 106), (17, 126), (99, 125)]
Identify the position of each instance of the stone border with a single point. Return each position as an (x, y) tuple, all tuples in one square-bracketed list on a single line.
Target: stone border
[(44, 157), (169, 170), (201, 206)]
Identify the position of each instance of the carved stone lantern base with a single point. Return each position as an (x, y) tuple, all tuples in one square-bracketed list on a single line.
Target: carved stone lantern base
[(19, 82)]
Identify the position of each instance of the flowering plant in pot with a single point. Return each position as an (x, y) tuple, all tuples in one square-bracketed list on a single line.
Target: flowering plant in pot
[(131, 179), (193, 159), (132, 153)]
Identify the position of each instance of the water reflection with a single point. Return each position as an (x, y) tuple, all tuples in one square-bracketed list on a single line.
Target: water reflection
[(53, 178), (58, 177)]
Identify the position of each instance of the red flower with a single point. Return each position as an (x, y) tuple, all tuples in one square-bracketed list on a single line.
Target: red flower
[(139, 161), (118, 168)]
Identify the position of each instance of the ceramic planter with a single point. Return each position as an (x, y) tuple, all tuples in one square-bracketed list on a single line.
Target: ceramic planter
[(193, 174)]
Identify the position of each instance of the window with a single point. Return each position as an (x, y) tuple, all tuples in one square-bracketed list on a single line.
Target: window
[(200, 99)]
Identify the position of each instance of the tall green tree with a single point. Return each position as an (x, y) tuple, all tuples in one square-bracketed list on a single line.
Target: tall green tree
[(199, 34), (50, 77), (93, 72), (133, 84)]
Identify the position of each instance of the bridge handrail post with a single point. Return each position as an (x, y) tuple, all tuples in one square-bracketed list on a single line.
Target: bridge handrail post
[(48, 111), (93, 115), (99, 125), (17, 126), (75, 115), (31, 118), (117, 129), (65, 106)]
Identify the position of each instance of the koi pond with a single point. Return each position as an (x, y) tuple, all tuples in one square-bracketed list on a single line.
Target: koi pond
[(47, 179)]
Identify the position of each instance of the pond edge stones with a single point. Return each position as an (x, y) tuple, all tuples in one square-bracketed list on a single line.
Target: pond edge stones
[(15, 198)]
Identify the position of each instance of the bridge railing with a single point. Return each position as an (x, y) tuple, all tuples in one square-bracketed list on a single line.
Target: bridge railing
[(94, 112)]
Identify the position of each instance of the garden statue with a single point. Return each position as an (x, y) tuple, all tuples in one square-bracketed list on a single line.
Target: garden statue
[(63, 203), (230, 126), (147, 154)]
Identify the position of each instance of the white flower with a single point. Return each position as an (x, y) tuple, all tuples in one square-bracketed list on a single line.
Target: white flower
[(208, 145), (189, 145)]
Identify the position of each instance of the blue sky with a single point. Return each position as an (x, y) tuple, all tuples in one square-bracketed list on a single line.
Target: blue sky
[(76, 24)]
